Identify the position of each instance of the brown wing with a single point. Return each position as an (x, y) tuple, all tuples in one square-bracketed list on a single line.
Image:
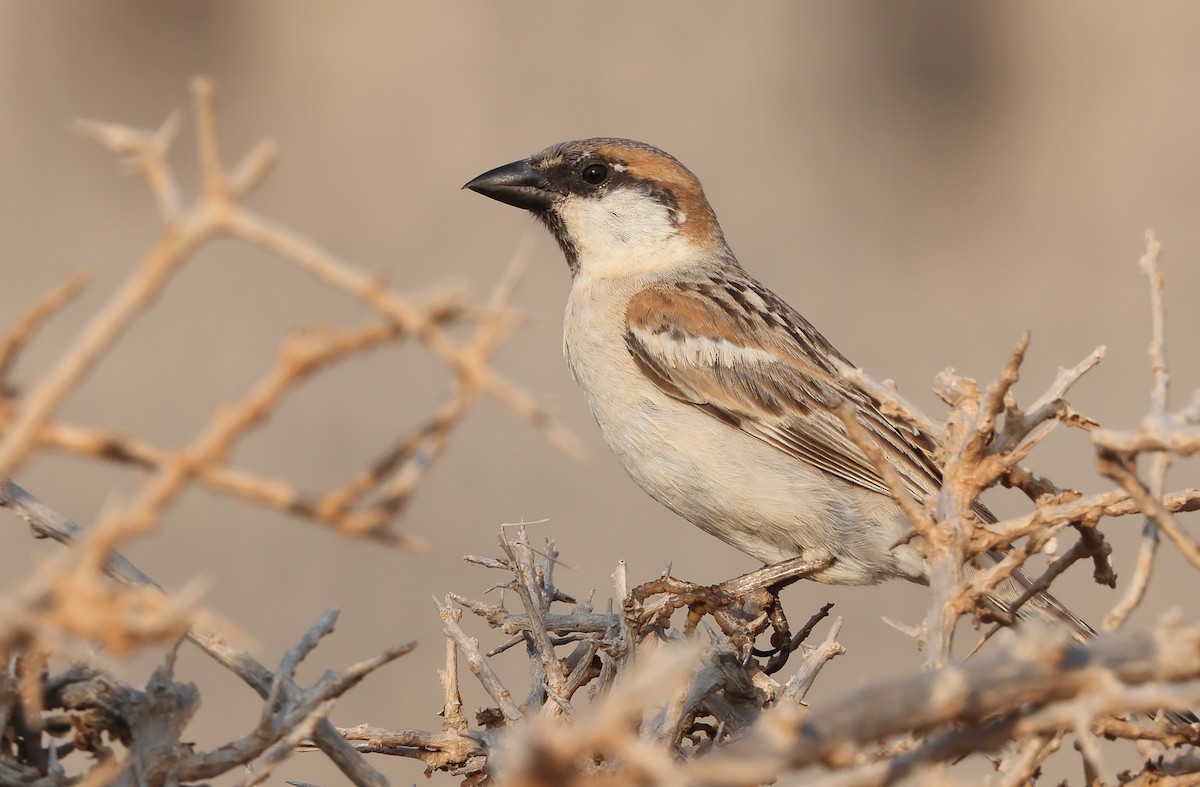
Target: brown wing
[(738, 352)]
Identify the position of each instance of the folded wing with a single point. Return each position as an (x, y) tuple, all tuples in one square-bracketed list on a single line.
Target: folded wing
[(746, 357)]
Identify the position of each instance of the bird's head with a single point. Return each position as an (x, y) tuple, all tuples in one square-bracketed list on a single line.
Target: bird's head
[(617, 207)]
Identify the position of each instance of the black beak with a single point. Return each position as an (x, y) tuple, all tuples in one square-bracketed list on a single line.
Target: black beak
[(517, 184)]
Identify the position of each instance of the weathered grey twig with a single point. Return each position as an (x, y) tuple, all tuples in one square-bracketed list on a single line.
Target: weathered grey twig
[(1165, 661), (814, 659), (530, 589), (1111, 464), (48, 523), (1117, 469), (469, 646)]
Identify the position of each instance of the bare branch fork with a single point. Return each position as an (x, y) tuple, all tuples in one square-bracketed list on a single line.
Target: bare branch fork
[(710, 713), (143, 712), (693, 709), (1161, 434), (218, 212), (982, 704), (717, 688), (68, 601), (979, 453), (665, 683)]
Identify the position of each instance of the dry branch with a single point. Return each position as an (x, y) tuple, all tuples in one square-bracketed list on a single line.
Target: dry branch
[(1161, 436), (70, 601), (47, 523), (1128, 671), (699, 709), (721, 694), (22, 332), (680, 687), (217, 212)]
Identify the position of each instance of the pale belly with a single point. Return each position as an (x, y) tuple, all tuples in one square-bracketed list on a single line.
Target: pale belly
[(730, 484), (751, 496)]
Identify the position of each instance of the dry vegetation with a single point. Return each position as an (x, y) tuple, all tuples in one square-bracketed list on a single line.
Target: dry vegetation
[(664, 684)]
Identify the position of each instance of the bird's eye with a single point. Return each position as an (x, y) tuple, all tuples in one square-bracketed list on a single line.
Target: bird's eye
[(594, 174)]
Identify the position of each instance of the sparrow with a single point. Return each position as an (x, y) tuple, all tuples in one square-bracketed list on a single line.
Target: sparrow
[(713, 392)]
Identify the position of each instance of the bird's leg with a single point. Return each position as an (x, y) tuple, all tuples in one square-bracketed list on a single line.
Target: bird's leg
[(776, 576), (770, 580), (780, 653)]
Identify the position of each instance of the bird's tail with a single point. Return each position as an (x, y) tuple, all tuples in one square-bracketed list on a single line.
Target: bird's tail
[(1043, 606)]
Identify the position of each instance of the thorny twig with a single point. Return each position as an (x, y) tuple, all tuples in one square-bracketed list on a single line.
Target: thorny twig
[(721, 703), (672, 702), (205, 635), (69, 599), (1161, 435), (216, 213), (727, 691)]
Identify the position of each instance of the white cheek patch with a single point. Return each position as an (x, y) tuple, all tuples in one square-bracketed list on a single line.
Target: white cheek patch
[(618, 218), (623, 232)]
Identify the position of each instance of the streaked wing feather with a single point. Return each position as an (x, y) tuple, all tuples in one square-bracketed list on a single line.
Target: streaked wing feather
[(767, 377)]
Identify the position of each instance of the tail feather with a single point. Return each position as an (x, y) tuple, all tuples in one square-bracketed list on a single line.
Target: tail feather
[(1043, 606)]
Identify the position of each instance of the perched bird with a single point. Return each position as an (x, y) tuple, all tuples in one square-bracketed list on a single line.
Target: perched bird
[(713, 392)]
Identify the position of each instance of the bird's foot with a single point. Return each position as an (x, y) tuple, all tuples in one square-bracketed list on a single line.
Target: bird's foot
[(743, 607)]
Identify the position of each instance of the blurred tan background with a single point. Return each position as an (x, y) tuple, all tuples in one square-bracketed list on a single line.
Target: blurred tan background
[(924, 180)]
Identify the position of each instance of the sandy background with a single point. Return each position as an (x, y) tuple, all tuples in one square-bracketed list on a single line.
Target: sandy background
[(923, 180)]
